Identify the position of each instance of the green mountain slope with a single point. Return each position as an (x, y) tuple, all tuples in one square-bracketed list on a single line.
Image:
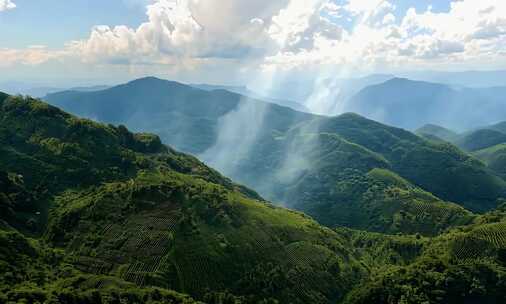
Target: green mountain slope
[(328, 173), (153, 222), (121, 207), (381, 201), (31, 272), (438, 131), (494, 157), (184, 117), (481, 139), (341, 183), (296, 158), (441, 169), (465, 265)]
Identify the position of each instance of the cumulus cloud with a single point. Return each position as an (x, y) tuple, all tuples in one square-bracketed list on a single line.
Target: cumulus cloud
[(6, 5), (33, 55), (470, 29), (287, 34), (191, 29)]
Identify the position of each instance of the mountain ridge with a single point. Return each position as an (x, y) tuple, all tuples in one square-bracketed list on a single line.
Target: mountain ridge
[(259, 147), (410, 104), (172, 230)]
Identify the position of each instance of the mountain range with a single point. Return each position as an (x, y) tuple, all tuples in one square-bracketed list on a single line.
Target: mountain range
[(485, 143), (290, 157), (244, 91), (93, 213), (411, 104)]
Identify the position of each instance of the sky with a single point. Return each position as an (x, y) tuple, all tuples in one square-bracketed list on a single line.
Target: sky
[(234, 41)]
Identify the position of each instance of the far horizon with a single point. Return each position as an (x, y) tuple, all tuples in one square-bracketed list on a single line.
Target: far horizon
[(244, 43), (253, 151)]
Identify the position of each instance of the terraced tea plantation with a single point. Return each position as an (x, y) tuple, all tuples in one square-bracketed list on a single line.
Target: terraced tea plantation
[(198, 237), (483, 241), (92, 213)]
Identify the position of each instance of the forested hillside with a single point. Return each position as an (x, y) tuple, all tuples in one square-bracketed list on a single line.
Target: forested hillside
[(97, 214), (305, 161), (121, 210)]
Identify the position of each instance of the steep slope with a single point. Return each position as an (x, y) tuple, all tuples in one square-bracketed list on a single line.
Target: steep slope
[(495, 158), (296, 158), (410, 104), (31, 272), (324, 169), (438, 131), (481, 139), (18, 207), (441, 169), (328, 168), (126, 211), (379, 201), (341, 183), (165, 222), (465, 265), (185, 117)]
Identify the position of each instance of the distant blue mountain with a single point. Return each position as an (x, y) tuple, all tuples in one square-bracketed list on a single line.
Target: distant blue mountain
[(411, 104), (243, 90), (470, 79)]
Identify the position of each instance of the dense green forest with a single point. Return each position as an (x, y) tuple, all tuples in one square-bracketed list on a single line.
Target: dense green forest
[(318, 165), (93, 213)]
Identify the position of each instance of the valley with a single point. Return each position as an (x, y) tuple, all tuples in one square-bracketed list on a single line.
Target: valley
[(253, 152), (144, 221)]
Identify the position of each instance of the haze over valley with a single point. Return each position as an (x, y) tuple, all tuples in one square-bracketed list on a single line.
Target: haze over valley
[(323, 151)]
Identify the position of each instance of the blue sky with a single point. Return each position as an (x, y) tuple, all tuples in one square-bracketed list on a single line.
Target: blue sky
[(54, 22), (219, 40)]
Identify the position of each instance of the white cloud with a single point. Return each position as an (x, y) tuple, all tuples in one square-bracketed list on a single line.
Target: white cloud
[(470, 30), (186, 29), (33, 55), (287, 34), (370, 11), (6, 5)]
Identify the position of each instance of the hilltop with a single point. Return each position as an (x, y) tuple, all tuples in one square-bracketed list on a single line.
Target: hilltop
[(146, 224), (410, 104), (144, 214), (185, 117), (437, 131), (481, 139), (297, 158)]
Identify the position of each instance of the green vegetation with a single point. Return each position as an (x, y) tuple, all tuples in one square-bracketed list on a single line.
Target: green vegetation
[(382, 201), (438, 132), (332, 182), (305, 161), (481, 139), (464, 265), (184, 117), (118, 213), (440, 169), (93, 213), (488, 144), (495, 158)]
